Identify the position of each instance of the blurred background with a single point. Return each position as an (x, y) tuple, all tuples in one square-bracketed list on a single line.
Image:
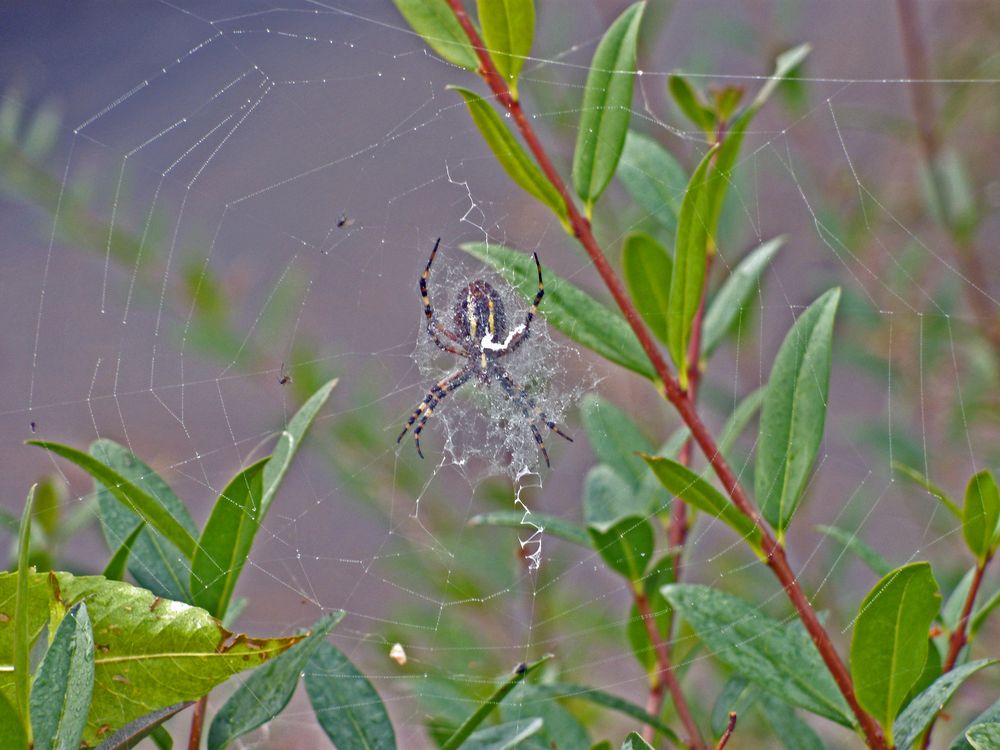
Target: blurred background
[(200, 198)]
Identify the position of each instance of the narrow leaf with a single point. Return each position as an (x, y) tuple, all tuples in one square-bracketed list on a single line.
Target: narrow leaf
[(149, 652), (606, 700), (115, 569), (289, 443), (436, 23), (689, 102), (889, 644), (345, 703), (479, 715), (226, 540), (61, 694), (10, 726), (981, 513), (615, 438), (729, 302), (791, 731), (654, 178), (551, 525), (866, 553), (984, 736), (647, 268), (508, 30), (506, 736), (694, 490), (21, 641), (569, 309), (607, 106), (634, 741), (782, 660), (134, 732), (129, 495), (919, 714), (982, 612), (154, 562), (794, 412), (922, 481), (608, 498), (509, 153), (990, 716), (687, 284), (268, 689)]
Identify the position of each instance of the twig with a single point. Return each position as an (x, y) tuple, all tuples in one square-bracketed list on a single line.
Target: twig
[(666, 673), (724, 739), (775, 553), (974, 273), (959, 636), (197, 722)]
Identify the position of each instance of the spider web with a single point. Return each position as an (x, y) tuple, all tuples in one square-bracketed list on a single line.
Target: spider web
[(255, 191)]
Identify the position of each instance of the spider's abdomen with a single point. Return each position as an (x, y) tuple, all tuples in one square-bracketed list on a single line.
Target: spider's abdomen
[(479, 311)]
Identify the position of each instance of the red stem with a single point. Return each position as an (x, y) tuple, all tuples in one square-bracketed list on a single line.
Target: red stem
[(959, 636), (730, 727), (197, 722), (666, 674), (776, 559)]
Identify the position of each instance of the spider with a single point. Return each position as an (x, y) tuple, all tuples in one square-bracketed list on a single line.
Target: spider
[(482, 337)]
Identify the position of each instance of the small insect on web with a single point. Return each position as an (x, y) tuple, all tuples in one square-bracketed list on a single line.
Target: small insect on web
[(481, 336)]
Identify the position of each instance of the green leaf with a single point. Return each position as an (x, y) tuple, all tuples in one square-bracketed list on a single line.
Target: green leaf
[(694, 490), (634, 741), (794, 412), (980, 514), (129, 495), (21, 641), (607, 107), (984, 736), (990, 716), (729, 302), (917, 716), (61, 694), (508, 30), (781, 660), (615, 438), (865, 552), (528, 701), (647, 268), (615, 515), (551, 525), (149, 652), (569, 309), (505, 736), (345, 703), (791, 731), (951, 610), (115, 569), (268, 689), (606, 700), (479, 715), (687, 284), (509, 153), (226, 540), (289, 442), (654, 178), (10, 726), (923, 481), (740, 418), (690, 103), (982, 612), (134, 732), (737, 695), (155, 563), (889, 644), (49, 498), (436, 23)]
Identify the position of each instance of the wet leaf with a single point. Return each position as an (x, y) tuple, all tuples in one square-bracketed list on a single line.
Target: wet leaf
[(134, 732), (436, 23), (551, 525), (615, 438), (115, 569), (654, 178), (508, 30), (647, 268)]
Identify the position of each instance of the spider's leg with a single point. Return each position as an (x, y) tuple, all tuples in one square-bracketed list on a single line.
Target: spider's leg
[(520, 337), (529, 408), (434, 328), (431, 400)]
